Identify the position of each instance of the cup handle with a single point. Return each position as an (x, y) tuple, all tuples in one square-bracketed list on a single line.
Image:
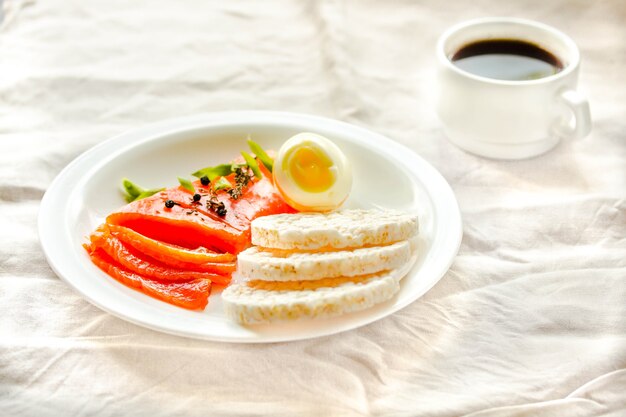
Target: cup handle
[(579, 106)]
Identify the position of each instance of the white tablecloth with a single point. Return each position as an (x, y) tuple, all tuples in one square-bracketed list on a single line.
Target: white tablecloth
[(530, 319)]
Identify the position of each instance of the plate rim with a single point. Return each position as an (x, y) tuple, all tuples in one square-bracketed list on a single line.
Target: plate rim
[(137, 136)]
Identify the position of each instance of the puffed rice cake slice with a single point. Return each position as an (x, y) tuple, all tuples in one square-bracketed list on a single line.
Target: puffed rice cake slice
[(270, 301), (338, 230), (279, 265)]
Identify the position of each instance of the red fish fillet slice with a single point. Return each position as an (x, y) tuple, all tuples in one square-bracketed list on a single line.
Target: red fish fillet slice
[(191, 224), (175, 256), (192, 295), (175, 225), (145, 266)]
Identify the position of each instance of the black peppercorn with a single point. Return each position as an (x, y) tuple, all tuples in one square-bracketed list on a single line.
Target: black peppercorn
[(205, 180), (169, 203), (197, 197)]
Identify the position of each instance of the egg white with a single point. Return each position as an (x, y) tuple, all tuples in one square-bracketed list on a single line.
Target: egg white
[(304, 200)]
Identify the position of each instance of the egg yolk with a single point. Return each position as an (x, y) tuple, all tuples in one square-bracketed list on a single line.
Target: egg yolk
[(310, 169)]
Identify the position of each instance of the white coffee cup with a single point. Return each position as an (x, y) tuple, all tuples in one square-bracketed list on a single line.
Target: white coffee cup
[(510, 119)]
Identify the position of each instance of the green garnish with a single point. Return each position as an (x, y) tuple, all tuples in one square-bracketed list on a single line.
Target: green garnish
[(214, 172), (261, 154), (132, 189), (222, 184), (148, 193), (252, 164), (186, 184), (135, 192), (214, 175), (234, 167)]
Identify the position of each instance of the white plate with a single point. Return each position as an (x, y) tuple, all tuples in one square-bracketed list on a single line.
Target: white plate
[(386, 174)]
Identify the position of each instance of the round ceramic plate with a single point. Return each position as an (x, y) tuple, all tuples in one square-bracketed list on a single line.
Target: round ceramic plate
[(386, 175)]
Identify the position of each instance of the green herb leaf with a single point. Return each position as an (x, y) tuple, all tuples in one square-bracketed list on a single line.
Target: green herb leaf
[(260, 153), (234, 167), (222, 184), (132, 189), (134, 192), (148, 193), (252, 164), (214, 172), (186, 184)]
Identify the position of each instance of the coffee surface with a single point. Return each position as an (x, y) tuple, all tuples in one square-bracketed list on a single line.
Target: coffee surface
[(507, 59)]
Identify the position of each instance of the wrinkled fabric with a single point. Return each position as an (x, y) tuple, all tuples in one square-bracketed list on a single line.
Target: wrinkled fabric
[(529, 320)]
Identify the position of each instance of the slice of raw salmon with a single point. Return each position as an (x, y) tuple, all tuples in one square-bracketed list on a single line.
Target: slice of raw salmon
[(192, 223), (169, 254), (193, 295), (178, 225), (174, 253), (145, 266)]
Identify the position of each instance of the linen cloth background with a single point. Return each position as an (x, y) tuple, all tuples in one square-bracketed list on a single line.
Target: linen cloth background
[(529, 320)]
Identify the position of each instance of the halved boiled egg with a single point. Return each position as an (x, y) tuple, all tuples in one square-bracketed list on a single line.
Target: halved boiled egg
[(312, 173)]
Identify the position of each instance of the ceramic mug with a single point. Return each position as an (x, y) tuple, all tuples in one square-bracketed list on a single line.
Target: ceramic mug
[(510, 119)]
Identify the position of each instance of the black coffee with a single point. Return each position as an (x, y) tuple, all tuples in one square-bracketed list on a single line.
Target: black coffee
[(507, 59)]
